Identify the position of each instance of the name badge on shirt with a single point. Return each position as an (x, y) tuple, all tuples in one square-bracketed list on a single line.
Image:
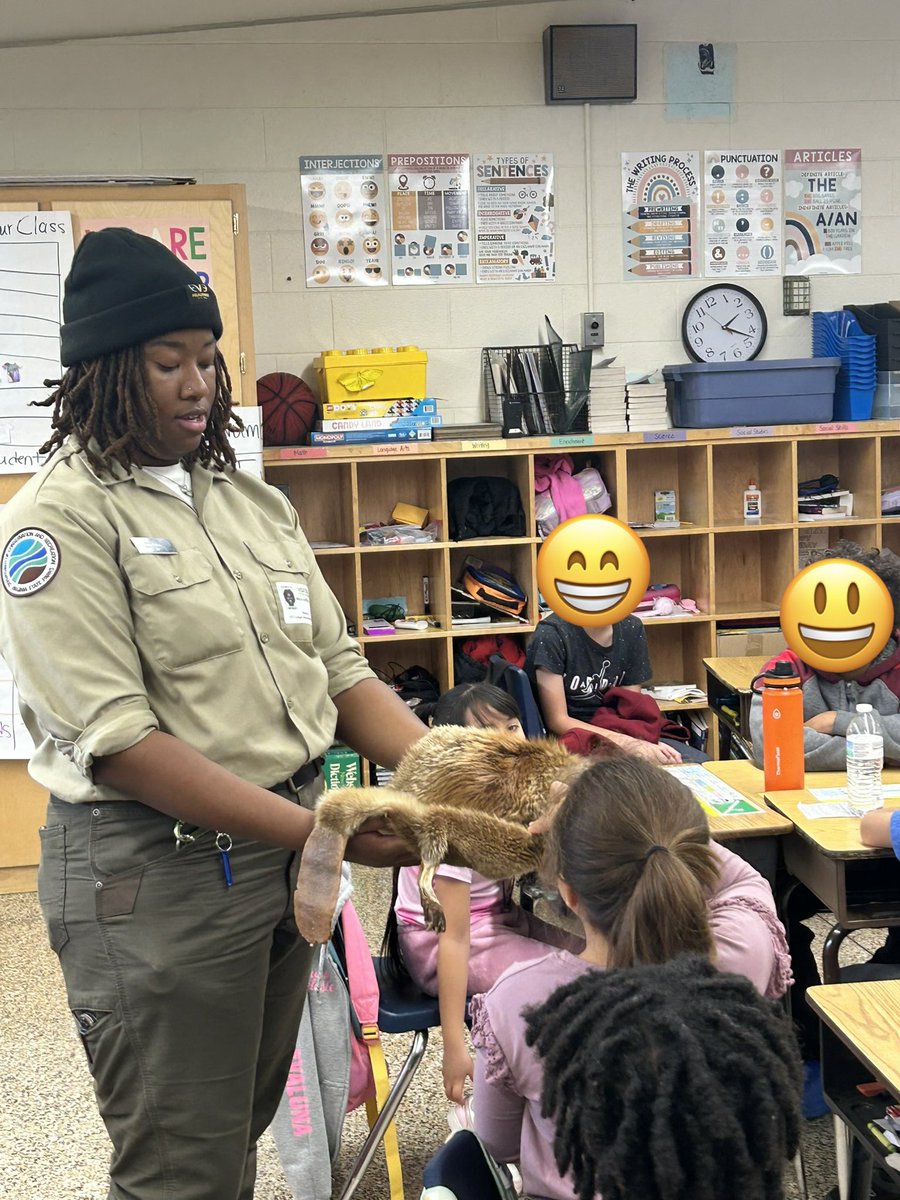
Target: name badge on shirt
[(153, 545), (295, 606)]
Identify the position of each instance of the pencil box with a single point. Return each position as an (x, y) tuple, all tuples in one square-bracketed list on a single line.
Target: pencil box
[(491, 585)]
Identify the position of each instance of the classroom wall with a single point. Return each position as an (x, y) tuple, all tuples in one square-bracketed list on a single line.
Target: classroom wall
[(241, 106)]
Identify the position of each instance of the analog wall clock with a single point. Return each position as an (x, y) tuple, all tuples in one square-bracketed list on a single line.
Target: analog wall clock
[(723, 323)]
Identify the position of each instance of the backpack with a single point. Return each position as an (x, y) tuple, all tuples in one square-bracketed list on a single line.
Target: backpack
[(484, 506)]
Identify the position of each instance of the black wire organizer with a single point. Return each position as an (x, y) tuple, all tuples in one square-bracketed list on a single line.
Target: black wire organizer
[(536, 390)]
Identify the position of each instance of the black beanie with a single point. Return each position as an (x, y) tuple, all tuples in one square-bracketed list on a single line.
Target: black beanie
[(124, 289)]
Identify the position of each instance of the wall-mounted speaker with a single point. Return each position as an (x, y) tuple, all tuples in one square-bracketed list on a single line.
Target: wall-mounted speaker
[(590, 64)]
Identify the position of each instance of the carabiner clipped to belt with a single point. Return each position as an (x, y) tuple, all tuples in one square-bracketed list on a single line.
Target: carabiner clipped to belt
[(182, 837)]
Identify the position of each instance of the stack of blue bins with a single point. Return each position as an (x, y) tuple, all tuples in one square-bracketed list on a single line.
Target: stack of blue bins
[(838, 335)]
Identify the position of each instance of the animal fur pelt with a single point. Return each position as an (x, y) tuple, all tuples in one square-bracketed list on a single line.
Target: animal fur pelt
[(461, 796)]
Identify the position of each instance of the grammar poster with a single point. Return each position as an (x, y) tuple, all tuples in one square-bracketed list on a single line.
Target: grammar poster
[(344, 225), (431, 235), (742, 212), (35, 256), (660, 210), (823, 212), (514, 225)]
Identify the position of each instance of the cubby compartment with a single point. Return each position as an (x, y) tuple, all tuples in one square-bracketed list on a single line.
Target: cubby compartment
[(397, 571), (605, 463), (771, 465), (515, 558), (322, 493), (387, 656), (514, 467), (853, 460), (815, 537), (890, 464), (682, 558), (340, 572), (380, 485), (682, 468), (752, 569), (680, 659)]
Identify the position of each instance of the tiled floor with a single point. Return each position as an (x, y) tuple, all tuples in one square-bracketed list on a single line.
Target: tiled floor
[(53, 1145)]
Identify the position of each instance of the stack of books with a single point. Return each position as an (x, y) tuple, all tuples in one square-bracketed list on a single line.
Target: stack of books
[(890, 500), (828, 502), (647, 407), (365, 422), (474, 430), (606, 406)]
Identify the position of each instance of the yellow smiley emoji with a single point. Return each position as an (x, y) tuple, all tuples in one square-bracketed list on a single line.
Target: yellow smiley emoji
[(837, 615), (593, 570)]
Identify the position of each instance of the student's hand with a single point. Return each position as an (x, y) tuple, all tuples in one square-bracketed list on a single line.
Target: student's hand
[(545, 820), (875, 828), (458, 1066), (822, 722), (372, 846), (651, 752)]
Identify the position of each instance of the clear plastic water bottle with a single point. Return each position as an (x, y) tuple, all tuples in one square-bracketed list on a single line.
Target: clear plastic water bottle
[(865, 759)]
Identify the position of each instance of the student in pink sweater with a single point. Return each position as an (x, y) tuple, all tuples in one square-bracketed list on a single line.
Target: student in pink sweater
[(630, 849)]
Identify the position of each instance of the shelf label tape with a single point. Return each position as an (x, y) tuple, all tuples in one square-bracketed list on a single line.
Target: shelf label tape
[(665, 435), (289, 452), (490, 444), (573, 439), (838, 427), (751, 431)]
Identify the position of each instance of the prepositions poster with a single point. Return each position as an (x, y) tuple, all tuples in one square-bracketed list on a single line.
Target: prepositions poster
[(344, 226), (431, 235), (742, 202), (188, 239), (823, 212), (514, 225), (660, 207), (35, 256)]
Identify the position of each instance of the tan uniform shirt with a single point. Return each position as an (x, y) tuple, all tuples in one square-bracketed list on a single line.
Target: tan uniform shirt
[(126, 611)]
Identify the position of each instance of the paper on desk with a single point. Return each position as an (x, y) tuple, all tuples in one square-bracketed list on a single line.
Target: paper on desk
[(714, 795), (889, 791), (814, 812)]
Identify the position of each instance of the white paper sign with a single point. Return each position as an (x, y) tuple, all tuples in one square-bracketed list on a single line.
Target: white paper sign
[(248, 446), (15, 740)]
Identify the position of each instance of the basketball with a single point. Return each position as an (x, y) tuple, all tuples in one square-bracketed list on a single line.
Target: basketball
[(288, 409)]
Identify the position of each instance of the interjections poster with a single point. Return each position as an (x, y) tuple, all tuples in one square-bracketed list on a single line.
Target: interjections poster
[(660, 209), (823, 212), (344, 225)]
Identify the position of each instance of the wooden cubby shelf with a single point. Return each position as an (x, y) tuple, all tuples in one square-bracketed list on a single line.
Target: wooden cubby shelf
[(734, 571)]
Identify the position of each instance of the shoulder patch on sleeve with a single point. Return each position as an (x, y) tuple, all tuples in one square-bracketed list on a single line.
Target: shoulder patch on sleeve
[(30, 560)]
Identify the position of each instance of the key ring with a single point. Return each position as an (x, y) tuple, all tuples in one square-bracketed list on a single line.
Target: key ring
[(221, 840)]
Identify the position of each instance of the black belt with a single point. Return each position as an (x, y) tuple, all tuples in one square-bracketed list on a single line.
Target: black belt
[(303, 776)]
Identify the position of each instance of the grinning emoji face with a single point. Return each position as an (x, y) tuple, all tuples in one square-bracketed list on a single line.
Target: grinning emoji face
[(593, 570), (837, 615)]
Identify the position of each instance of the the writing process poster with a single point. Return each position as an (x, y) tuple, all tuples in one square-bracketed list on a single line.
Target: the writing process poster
[(742, 199), (823, 212), (35, 256), (189, 239), (431, 236), (660, 206), (344, 226), (514, 227)]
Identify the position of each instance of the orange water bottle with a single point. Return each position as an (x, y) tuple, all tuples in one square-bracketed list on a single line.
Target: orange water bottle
[(782, 701)]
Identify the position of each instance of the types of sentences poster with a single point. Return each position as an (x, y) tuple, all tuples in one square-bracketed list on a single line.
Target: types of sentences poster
[(823, 212), (514, 227), (35, 256), (742, 201), (660, 205), (344, 226), (431, 237), (189, 239)]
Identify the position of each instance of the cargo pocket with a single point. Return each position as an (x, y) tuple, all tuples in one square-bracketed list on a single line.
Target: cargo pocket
[(52, 884)]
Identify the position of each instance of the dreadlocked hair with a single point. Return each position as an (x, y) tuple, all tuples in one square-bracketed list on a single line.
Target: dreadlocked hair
[(106, 400), (633, 844), (668, 1081)]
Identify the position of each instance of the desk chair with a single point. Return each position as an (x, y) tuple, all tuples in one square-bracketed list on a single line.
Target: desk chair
[(402, 1008), (513, 680)]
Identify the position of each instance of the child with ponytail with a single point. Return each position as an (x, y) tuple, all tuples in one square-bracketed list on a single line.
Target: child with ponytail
[(630, 852)]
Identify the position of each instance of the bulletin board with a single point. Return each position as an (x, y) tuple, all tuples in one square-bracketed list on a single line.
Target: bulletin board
[(207, 227)]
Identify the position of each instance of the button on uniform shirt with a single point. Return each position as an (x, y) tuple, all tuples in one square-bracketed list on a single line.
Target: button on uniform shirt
[(123, 610)]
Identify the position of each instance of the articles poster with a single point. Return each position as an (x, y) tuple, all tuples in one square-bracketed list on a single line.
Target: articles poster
[(35, 257), (514, 226), (660, 206), (344, 227), (431, 237), (188, 239), (742, 201), (823, 212)]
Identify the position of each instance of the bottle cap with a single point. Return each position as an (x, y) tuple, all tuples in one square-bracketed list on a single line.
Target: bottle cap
[(781, 673), (751, 483)]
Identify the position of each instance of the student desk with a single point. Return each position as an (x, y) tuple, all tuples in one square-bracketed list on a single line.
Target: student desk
[(859, 1044), (859, 884), (725, 678), (764, 827)]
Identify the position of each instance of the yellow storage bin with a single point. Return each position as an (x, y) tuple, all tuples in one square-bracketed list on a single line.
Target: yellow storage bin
[(384, 373)]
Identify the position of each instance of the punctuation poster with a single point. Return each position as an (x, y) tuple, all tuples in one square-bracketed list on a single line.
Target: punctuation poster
[(742, 201), (344, 226), (823, 212), (431, 236), (514, 218), (35, 256), (660, 208)]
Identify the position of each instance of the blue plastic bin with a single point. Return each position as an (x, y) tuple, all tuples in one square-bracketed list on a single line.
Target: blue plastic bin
[(853, 403), (779, 391)]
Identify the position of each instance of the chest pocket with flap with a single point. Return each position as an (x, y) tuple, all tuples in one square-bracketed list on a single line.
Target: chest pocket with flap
[(287, 571), (181, 614)]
